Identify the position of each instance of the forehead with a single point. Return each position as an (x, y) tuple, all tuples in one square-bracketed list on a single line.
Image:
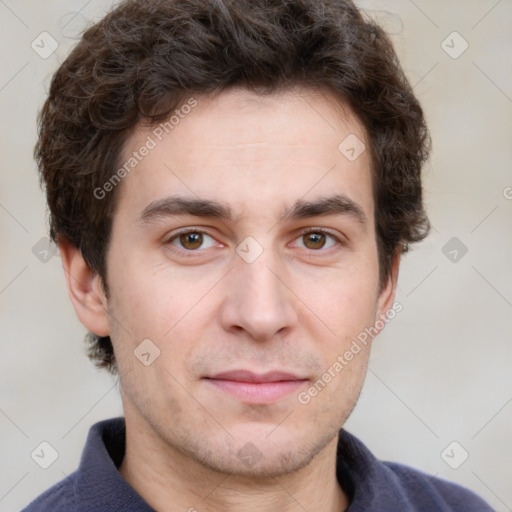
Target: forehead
[(249, 150)]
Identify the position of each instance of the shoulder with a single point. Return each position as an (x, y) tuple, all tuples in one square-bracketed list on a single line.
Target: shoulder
[(433, 492), (58, 498), (382, 486)]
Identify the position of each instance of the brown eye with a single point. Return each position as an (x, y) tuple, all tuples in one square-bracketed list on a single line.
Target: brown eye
[(315, 240), (192, 240)]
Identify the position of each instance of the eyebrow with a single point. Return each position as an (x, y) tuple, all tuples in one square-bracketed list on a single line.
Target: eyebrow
[(338, 204)]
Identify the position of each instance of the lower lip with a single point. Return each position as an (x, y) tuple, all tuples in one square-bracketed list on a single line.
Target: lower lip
[(257, 392)]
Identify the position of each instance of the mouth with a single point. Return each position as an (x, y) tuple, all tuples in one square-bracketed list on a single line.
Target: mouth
[(254, 388)]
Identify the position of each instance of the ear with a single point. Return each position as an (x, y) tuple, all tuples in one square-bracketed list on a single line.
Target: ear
[(387, 294), (85, 290)]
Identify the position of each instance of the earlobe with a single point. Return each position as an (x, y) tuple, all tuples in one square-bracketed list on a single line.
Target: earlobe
[(85, 290), (387, 293)]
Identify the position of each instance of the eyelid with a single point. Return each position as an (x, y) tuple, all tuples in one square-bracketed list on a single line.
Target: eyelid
[(340, 241), (169, 238), (184, 231), (304, 231)]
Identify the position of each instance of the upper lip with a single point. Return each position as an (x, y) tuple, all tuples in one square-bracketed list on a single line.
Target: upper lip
[(247, 376)]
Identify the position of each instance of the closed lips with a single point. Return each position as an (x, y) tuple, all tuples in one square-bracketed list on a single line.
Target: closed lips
[(257, 389)]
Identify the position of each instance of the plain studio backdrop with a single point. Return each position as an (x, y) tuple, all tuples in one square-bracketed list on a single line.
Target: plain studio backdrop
[(438, 394)]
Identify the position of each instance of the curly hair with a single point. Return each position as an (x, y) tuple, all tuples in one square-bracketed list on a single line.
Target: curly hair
[(145, 57)]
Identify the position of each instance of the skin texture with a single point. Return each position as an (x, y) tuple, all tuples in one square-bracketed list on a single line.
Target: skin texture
[(295, 308)]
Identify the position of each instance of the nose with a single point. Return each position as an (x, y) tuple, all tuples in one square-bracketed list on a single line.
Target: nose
[(258, 299)]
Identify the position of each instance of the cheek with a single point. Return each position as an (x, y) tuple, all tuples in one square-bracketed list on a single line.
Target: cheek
[(156, 303), (343, 299), (341, 309)]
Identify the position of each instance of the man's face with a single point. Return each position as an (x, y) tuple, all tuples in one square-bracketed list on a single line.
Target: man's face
[(247, 298)]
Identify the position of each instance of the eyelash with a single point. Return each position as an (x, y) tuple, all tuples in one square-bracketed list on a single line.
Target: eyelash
[(194, 253)]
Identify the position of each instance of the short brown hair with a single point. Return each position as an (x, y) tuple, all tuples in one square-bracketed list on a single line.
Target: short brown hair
[(146, 57)]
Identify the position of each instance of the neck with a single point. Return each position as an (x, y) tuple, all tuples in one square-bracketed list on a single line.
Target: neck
[(169, 480)]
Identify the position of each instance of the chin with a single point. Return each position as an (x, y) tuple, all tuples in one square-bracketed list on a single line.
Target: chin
[(259, 457), (261, 465)]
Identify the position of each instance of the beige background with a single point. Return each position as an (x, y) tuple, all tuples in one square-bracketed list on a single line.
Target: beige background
[(441, 371)]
